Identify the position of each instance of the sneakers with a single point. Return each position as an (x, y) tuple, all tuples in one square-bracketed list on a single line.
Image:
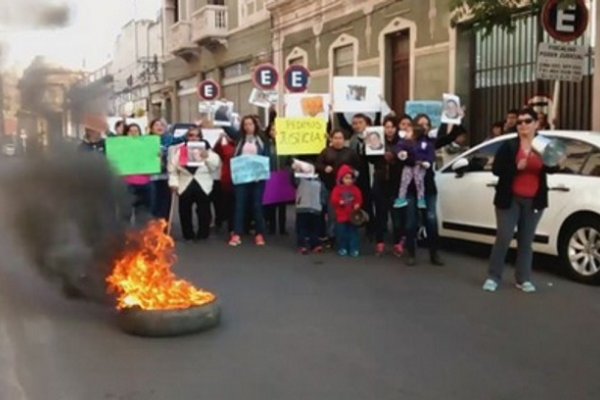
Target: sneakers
[(399, 249), (490, 285), (342, 252), (259, 240), (235, 240), (400, 202), (526, 287), (355, 254), (379, 249), (303, 251), (421, 204), (318, 250)]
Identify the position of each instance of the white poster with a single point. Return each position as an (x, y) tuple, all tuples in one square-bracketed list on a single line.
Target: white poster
[(307, 105), (261, 98), (223, 113), (452, 113), (374, 141), (212, 136), (357, 94), (195, 150), (303, 169)]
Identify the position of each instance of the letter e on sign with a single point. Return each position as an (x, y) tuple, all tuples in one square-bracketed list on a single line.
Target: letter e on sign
[(565, 22), (265, 77), (297, 78), (209, 90)]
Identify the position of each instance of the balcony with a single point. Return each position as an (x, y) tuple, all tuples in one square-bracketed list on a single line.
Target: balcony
[(210, 26), (180, 40)]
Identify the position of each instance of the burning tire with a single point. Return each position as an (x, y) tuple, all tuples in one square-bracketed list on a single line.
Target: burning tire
[(164, 323)]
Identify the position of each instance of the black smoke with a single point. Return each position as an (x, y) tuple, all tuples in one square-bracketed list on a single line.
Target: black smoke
[(63, 209)]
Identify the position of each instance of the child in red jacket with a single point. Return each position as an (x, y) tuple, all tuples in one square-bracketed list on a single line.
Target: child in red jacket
[(345, 199)]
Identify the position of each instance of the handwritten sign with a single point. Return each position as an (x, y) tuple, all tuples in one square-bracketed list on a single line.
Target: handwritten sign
[(298, 136), (432, 108), (248, 169), (134, 155)]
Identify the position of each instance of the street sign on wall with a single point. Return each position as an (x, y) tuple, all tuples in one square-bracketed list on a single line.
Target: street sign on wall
[(297, 78), (209, 90), (265, 77), (561, 62), (565, 23)]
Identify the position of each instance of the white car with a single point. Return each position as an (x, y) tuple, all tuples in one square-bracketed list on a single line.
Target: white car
[(569, 228)]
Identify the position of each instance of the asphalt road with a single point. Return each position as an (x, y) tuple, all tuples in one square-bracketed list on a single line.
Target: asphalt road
[(310, 327)]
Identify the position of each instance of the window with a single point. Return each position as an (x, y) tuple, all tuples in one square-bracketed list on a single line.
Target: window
[(235, 70), (249, 8), (296, 61), (482, 159), (577, 154), (592, 166), (343, 61)]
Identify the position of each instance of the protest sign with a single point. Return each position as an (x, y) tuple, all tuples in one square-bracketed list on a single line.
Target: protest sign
[(431, 108), (374, 141), (212, 136), (452, 113), (307, 105), (303, 169), (357, 94), (134, 155), (248, 169), (193, 154), (223, 113), (279, 189), (262, 98), (297, 136)]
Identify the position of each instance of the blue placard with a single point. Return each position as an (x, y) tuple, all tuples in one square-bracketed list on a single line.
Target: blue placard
[(248, 169), (431, 108)]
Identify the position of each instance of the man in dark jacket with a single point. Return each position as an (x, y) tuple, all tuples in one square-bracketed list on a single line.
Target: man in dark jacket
[(93, 142)]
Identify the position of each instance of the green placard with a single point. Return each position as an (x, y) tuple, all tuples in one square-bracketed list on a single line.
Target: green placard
[(139, 155)]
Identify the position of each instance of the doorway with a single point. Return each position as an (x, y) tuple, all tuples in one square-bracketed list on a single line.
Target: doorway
[(399, 45)]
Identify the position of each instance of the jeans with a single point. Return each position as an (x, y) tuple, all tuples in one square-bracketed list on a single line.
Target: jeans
[(412, 223), (249, 194), (522, 216), (348, 237), (194, 194), (329, 213), (307, 229), (161, 199), (383, 210)]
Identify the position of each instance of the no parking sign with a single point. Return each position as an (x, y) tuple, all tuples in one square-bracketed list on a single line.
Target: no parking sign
[(209, 90), (266, 77), (297, 78)]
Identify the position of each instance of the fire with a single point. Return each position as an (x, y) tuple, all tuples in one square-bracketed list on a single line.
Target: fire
[(142, 277)]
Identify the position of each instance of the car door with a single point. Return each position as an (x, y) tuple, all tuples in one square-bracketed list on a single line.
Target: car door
[(569, 190), (465, 199)]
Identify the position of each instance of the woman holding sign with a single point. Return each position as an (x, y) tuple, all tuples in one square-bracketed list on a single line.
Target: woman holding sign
[(250, 144), (138, 185), (192, 167)]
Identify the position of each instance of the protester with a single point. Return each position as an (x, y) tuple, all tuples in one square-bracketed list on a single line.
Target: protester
[(309, 212), (543, 122), (418, 154), (161, 194), (192, 178), (386, 182), (139, 186), (250, 143), (521, 197), (225, 148), (93, 142), (443, 136), (119, 128), (276, 217), (346, 198), (360, 123), (510, 123), (328, 164), (497, 130)]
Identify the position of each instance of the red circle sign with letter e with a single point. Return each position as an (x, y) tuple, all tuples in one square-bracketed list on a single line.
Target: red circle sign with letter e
[(565, 23), (296, 78), (266, 77), (209, 90)]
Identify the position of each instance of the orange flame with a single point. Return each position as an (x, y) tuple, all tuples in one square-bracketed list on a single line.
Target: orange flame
[(143, 277)]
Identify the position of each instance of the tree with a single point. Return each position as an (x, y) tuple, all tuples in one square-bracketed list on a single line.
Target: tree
[(487, 14)]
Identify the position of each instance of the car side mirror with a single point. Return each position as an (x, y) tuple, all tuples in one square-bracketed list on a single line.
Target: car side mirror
[(460, 165)]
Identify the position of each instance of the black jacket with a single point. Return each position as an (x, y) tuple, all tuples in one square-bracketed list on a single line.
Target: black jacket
[(505, 167), (387, 173), (335, 158)]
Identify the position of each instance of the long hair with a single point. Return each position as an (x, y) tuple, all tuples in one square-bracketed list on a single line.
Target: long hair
[(152, 123), (243, 132)]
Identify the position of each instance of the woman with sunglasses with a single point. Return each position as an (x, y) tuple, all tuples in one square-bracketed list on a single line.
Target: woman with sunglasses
[(192, 167), (521, 197)]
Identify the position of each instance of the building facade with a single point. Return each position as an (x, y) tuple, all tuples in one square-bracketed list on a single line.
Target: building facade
[(10, 101), (214, 39)]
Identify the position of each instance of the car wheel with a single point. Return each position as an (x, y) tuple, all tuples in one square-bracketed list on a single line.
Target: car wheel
[(579, 249)]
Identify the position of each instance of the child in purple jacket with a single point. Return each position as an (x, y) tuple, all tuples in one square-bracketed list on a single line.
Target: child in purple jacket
[(418, 155)]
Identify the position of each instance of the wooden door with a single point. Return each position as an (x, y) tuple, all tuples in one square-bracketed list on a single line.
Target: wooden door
[(400, 57)]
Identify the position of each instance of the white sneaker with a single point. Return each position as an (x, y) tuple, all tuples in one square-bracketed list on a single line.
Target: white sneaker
[(490, 285), (526, 287)]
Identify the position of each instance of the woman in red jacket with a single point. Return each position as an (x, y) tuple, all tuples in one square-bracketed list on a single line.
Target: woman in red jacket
[(225, 148)]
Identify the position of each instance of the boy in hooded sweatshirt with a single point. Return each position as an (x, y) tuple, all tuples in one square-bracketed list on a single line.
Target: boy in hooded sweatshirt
[(346, 198)]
